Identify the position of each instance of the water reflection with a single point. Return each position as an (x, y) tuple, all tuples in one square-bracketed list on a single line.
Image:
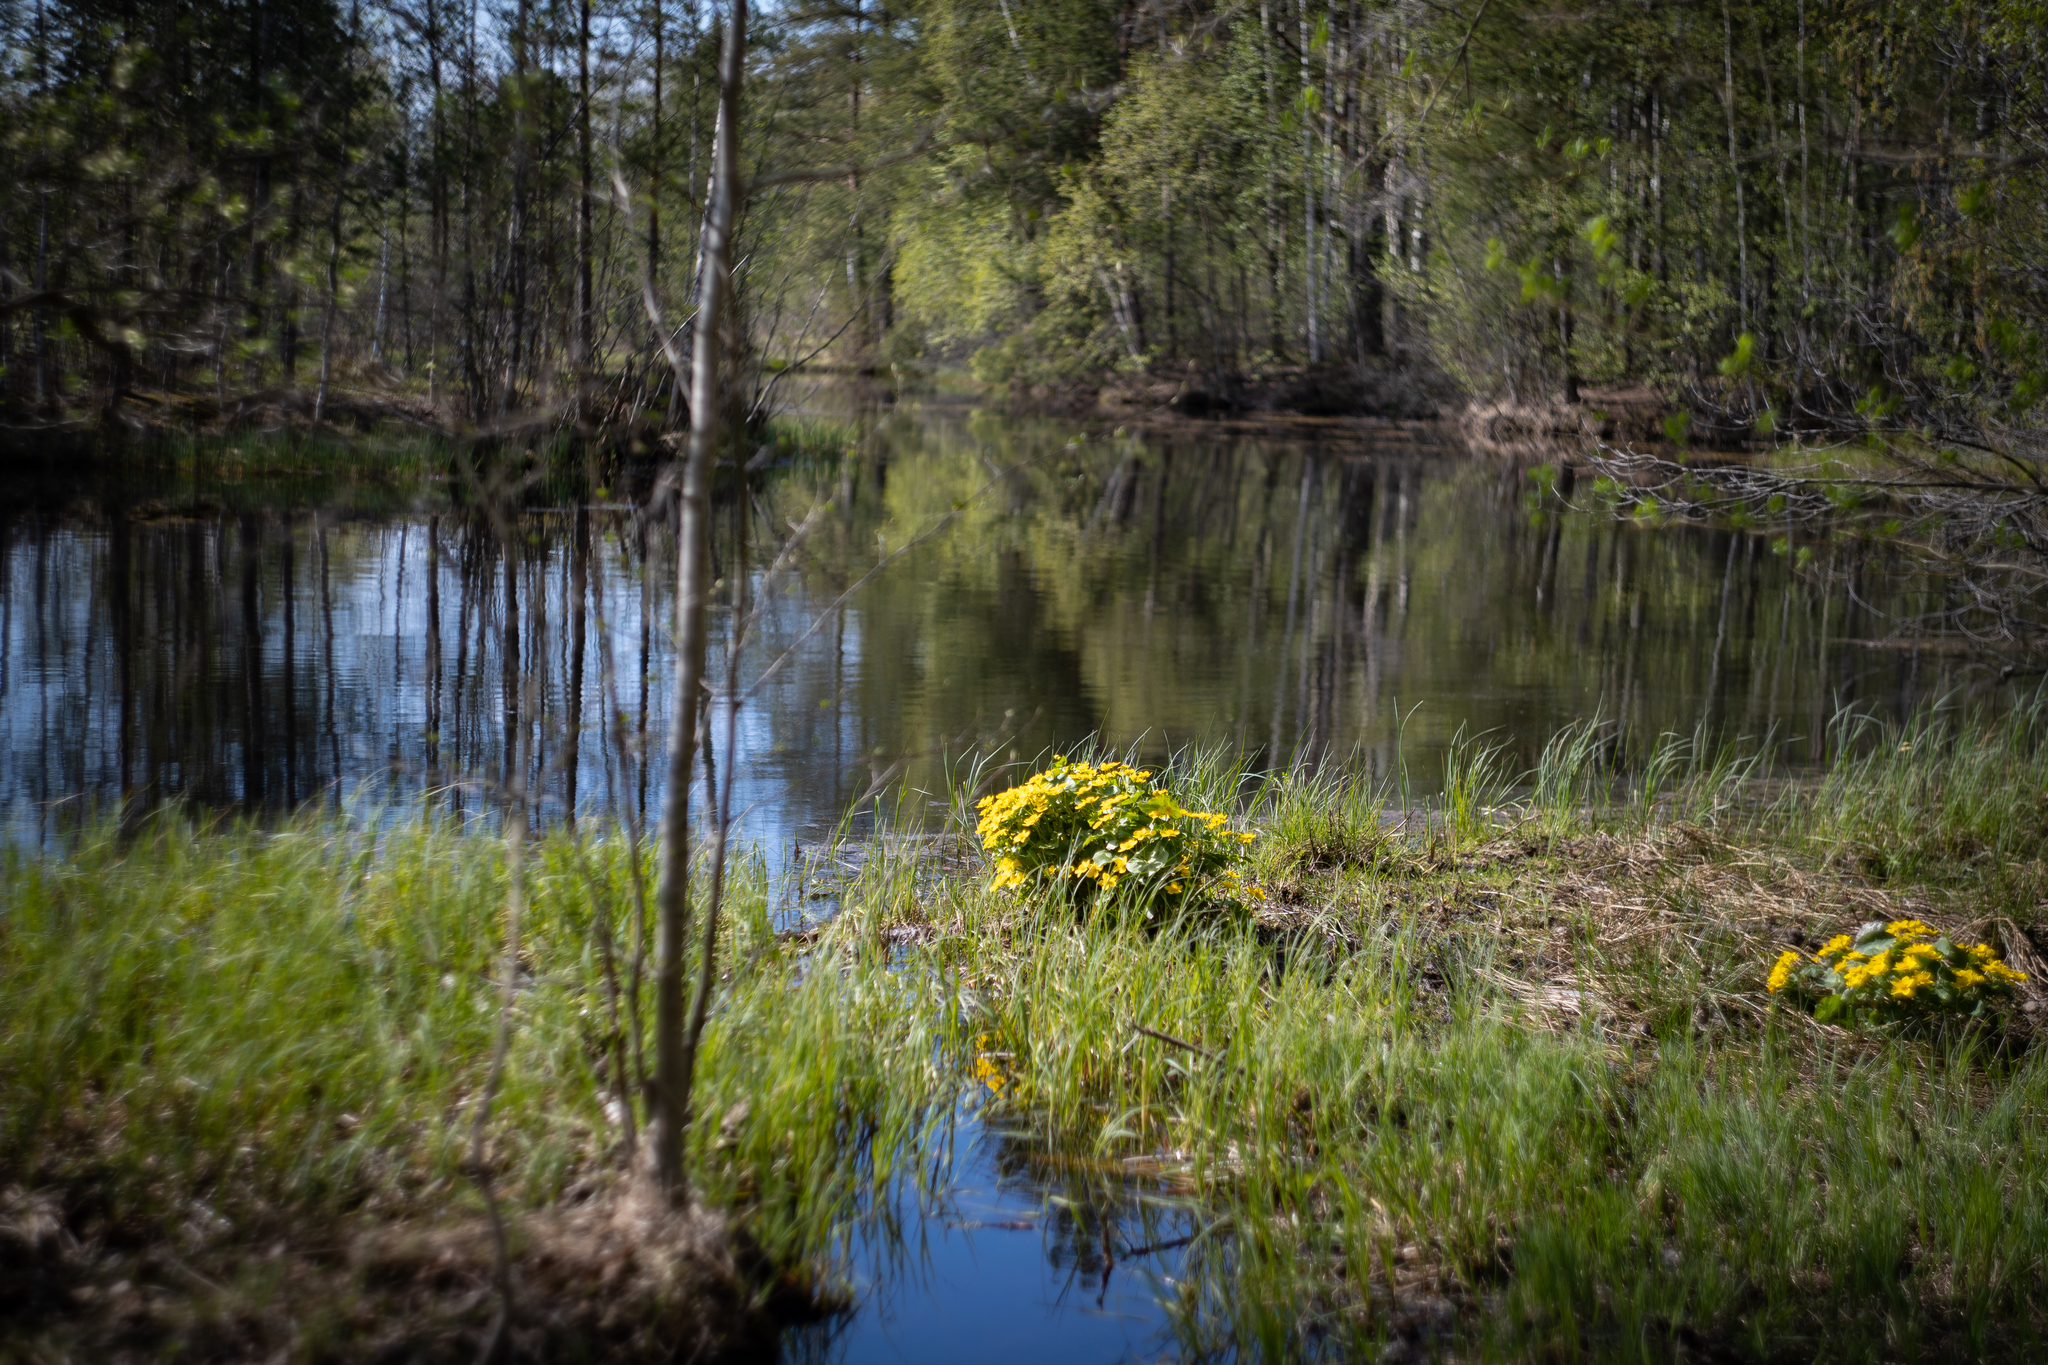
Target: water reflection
[(1029, 1255), (1365, 597)]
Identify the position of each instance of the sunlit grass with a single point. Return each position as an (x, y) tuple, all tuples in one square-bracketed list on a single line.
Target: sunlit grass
[(1506, 1076)]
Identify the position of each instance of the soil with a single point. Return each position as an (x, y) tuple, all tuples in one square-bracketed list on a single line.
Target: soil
[(607, 1273)]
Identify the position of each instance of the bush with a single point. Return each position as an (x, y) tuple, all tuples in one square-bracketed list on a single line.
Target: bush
[(1891, 972), (1096, 832)]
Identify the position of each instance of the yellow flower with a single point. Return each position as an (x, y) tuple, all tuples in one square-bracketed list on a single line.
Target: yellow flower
[(1904, 987), (987, 1069), (1834, 947), (1909, 928), (1781, 973), (1173, 888), (1969, 980)]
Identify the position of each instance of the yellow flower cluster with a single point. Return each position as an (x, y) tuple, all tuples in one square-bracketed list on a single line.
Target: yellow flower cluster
[(988, 1064), (1092, 827), (1895, 970), (1781, 973)]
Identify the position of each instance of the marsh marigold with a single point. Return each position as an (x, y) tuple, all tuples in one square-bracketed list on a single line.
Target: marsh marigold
[(1093, 830), (1886, 971)]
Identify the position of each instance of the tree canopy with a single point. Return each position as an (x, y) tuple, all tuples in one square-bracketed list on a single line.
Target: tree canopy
[(1781, 214)]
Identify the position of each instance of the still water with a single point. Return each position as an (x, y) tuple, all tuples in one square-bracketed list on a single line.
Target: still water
[(947, 587), (1365, 595), (1028, 1256)]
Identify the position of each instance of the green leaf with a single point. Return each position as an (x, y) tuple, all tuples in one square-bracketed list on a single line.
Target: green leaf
[(1905, 228), (1676, 426), (1601, 235), (1743, 359), (1974, 201), (2005, 337)]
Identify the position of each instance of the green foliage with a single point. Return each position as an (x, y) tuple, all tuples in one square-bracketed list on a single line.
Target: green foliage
[(1375, 1080)]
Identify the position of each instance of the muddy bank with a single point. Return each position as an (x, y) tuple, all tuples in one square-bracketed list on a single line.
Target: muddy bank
[(1548, 431)]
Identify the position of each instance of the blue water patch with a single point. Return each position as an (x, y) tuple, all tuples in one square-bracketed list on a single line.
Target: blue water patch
[(1025, 1256)]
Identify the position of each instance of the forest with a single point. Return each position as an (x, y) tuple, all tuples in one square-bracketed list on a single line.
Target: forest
[(1813, 215)]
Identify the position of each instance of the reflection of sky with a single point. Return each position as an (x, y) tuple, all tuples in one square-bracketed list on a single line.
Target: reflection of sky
[(1009, 1271), (360, 704)]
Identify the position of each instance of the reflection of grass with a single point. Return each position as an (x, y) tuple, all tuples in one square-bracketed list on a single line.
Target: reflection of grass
[(1512, 1075)]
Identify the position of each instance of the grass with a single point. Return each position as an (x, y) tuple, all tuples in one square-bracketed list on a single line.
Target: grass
[(1504, 1081)]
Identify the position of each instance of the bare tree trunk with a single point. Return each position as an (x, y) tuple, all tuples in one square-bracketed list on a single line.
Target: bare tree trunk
[(1308, 207), (585, 305), (674, 1061), (1276, 241), (437, 178), (333, 286), (1735, 165), (42, 320), (515, 231)]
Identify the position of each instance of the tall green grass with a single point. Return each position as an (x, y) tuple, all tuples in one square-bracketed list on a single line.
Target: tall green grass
[(294, 1025), (1945, 798), (290, 1026)]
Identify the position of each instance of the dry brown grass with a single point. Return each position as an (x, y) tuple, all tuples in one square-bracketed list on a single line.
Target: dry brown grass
[(1585, 918)]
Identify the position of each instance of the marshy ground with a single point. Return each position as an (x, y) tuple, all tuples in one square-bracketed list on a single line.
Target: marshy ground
[(1496, 1080)]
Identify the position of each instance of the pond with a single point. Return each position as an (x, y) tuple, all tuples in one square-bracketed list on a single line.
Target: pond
[(925, 591), (1363, 594)]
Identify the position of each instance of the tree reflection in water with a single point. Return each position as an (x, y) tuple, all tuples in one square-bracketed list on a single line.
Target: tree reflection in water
[(1364, 596)]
